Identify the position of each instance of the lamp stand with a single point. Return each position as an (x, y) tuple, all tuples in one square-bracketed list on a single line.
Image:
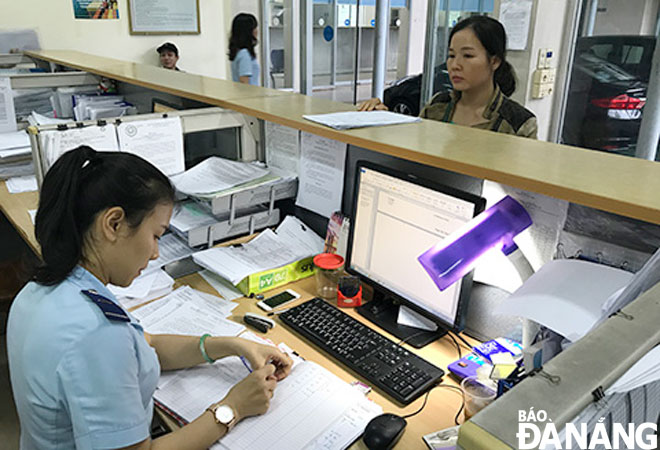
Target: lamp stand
[(530, 328)]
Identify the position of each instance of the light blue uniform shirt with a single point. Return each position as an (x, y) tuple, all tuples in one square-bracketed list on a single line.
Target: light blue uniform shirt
[(244, 65), (79, 379)]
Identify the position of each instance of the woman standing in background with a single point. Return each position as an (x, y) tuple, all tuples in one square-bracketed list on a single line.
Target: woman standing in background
[(243, 39)]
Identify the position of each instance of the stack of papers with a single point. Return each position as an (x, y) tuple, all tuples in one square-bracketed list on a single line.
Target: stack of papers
[(188, 215), (15, 155), (222, 286), (310, 409), (55, 143), (39, 119), (62, 99), (217, 174), (28, 100), (27, 183), (360, 119), (566, 296), (290, 242), (189, 312), (170, 248), (92, 107), (644, 371), (144, 288)]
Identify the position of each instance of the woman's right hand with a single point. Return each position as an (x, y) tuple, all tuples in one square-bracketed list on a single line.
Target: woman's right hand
[(371, 105), (251, 397)]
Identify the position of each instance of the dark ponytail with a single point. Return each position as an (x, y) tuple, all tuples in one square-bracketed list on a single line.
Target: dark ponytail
[(80, 184), (492, 36), (505, 77)]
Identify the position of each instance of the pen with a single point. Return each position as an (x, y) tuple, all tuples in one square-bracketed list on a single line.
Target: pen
[(274, 313), (245, 363)]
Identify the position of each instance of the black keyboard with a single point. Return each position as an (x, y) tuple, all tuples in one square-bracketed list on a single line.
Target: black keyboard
[(384, 364)]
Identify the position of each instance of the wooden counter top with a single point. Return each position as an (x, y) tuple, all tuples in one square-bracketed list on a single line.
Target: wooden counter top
[(15, 207), (622, 185)]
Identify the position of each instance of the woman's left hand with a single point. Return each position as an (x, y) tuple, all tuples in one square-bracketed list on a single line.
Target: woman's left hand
[(260, 354)]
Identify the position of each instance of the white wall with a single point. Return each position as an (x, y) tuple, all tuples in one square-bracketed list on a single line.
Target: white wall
[(547, 30), (204, 54)]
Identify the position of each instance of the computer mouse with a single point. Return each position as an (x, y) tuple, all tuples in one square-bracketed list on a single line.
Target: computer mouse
[(384, 431)]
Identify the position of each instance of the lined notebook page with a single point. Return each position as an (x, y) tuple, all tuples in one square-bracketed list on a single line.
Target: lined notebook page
[(303, 407)]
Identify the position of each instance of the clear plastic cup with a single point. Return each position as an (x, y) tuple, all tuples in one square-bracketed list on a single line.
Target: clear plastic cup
[(477, 394), (329, 268)]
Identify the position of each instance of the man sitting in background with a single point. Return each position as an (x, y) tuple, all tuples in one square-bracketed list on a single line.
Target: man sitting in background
[(169, 55)]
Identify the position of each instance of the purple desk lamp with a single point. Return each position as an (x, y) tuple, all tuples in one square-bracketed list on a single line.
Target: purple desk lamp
[(451, 259)]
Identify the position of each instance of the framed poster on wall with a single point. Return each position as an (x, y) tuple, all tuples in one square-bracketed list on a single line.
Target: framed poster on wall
[(163, 16)]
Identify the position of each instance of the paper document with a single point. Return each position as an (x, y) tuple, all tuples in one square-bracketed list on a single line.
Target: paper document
[(7, 111), (161, 285), (348, 428), (222, 286), (515, 15), (216, 174), (266, 251), (139, 288), (359, 119), (538, 243), (55, 143), (411, 318), (16, 153), (17, 185), (644, 371), (188, 215), (321, 174), (305, 405), (39, 119), (14, 139), (159, 141), (170, 248), (566, 295), (645, 278), (282, 147), (267, 180), (186, 312)]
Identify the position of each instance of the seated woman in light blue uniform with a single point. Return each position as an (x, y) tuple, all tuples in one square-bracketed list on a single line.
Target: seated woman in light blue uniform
[(244, 64), (82, 369)]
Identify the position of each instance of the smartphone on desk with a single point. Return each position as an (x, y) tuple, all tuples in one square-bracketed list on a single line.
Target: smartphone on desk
[(278, 300)]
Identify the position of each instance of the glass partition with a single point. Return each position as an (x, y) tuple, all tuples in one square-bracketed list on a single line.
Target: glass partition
[(609, 80), (343, 42)]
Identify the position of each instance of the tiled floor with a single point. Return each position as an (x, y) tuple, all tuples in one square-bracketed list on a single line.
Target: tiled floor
[(9, 431)]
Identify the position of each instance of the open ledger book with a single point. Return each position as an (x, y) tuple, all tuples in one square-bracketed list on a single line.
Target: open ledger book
[(311, 408)]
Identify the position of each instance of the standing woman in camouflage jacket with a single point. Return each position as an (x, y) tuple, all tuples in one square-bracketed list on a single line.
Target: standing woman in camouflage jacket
[(482, 80)]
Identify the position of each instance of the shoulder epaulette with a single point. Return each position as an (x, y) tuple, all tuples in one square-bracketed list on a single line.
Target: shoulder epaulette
[(109, 308)]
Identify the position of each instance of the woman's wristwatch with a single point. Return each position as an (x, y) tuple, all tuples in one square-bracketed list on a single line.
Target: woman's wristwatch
[(223, 414)]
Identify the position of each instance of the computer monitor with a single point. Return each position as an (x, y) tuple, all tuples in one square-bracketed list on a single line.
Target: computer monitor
[(396, 217)]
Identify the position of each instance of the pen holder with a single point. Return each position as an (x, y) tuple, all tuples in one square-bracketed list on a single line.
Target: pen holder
[(349, 292)]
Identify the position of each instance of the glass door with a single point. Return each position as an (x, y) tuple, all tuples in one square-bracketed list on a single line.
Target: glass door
[(610, 76), (277, 43), (343, 42)]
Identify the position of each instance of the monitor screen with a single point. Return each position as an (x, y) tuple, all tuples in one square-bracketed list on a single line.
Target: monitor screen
[(396, 218)]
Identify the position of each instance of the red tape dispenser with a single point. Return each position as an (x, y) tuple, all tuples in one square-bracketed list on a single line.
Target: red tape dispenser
[(349, 292)]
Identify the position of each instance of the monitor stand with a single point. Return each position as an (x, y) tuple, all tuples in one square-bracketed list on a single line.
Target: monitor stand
[(384, 313)]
